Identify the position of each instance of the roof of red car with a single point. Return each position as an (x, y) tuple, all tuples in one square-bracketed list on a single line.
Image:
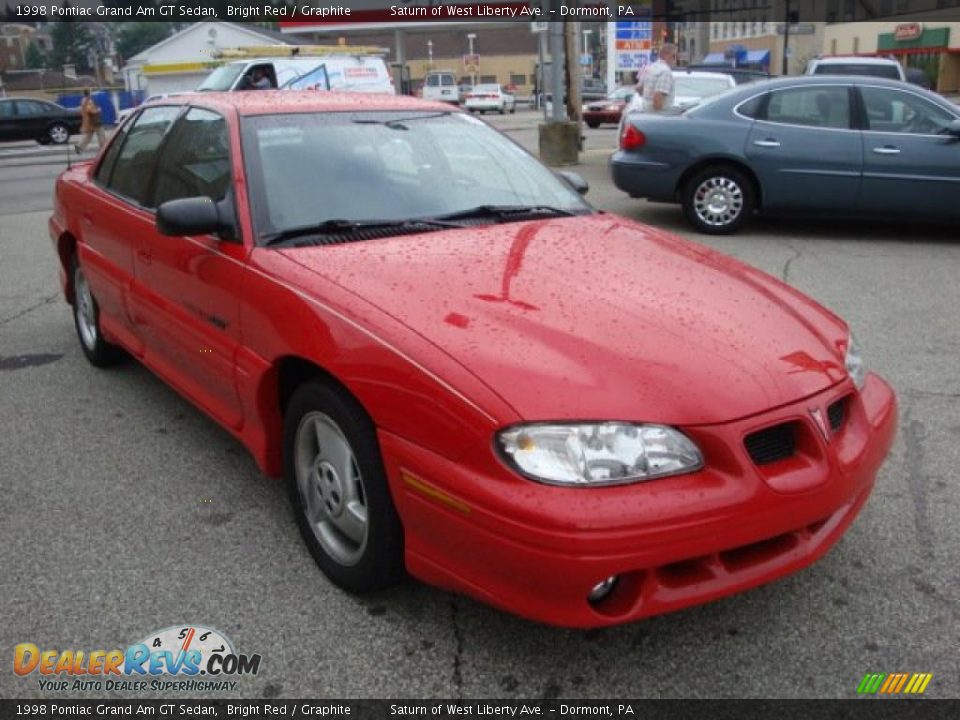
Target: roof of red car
[(266, 102)]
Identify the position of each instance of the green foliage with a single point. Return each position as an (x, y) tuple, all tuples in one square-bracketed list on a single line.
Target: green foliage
[(72, 43), (35, 58), (135, 37)]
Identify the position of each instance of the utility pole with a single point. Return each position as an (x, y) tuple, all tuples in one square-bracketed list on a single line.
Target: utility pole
[(560, 137), (786, 37)]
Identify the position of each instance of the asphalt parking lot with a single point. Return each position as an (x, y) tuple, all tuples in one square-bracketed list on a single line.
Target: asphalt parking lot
[(126, 511)]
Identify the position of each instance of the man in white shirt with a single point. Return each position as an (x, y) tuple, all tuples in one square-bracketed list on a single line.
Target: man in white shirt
[(655, 89)]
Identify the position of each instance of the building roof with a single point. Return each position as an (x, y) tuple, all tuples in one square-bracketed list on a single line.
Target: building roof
[(260, 34)]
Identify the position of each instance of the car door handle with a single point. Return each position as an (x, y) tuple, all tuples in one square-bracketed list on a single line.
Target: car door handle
[(887, 150), (769, 142)]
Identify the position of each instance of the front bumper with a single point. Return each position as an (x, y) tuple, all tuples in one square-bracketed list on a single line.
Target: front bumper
[(537, 550), (602, 116)]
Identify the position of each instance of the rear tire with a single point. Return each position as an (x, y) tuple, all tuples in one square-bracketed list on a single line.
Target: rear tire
[(593, 125), (338, 489), (86, 320), (718, 200)]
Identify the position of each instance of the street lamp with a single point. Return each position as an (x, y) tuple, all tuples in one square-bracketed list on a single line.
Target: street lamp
[(430, 54), (470, 38)]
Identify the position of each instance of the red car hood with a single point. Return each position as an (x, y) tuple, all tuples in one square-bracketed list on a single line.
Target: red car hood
[(598, 317)]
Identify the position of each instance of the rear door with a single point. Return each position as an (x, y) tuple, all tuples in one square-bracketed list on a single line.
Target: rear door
[(32, 118), (9, 128), (115, 215), (806, 150), (911, 166)]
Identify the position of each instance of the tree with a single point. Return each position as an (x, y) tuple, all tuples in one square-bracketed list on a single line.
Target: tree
[(72, 43), (135, 37), (35, 58)]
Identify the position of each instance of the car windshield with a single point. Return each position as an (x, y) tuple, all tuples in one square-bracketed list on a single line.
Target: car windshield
[(624, 93), (223, 77), (310, 168), (882, 71), (699, 87)]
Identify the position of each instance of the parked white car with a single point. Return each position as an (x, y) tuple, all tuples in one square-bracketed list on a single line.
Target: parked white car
[(351, 73), (857, 65), (490, 98), (691, 87)]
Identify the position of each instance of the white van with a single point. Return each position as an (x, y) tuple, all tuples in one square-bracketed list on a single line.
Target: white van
[(441, 85), (355, 73)]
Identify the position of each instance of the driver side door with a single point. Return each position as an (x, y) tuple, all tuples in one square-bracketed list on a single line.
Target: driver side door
[(188, 288), (910, 166)]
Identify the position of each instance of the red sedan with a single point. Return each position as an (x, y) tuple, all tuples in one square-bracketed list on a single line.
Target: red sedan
[(609, 109), (462, 370)]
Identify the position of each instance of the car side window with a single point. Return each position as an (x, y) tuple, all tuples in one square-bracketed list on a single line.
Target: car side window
[(895, 111), (752, 107), (105, 169), (130, 175), (814, 106), (195, 160), (26, 108), (6, 109)]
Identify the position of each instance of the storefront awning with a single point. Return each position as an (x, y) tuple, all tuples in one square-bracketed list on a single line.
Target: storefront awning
[(757, 57)]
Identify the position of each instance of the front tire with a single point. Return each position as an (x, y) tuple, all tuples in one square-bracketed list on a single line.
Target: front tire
[(718, 200), (338, 489), (58, 133), (86, 319)]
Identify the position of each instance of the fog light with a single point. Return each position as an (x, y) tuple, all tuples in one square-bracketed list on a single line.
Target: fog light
[(602, 589)]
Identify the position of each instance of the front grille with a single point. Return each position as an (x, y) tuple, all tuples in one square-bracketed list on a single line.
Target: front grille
[(837, 413), (772, 444)]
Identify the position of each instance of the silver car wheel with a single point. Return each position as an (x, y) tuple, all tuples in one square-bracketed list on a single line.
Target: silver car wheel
[(330, 484), (59, 134), (718, 201), (85, 310)]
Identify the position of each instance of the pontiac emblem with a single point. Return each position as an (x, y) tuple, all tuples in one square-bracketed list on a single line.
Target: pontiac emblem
[(817, 415)]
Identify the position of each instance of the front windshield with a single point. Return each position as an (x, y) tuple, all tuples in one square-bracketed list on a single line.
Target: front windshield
[(223, 77), (623, 93), (308, 168), (700, 87)]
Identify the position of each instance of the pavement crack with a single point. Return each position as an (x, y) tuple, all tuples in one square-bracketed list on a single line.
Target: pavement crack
[(457, 648), (797, 254), (46, 301), (913, 436)]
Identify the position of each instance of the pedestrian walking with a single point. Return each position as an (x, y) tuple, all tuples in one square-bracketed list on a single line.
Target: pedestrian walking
[(91, 123)]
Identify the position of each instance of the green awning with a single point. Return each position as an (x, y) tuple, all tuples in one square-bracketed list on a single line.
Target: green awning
[(934, 39)]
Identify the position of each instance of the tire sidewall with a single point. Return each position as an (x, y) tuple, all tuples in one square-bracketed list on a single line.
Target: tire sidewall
[(102, 354), (734, 174), (53, 127), (382, 562)]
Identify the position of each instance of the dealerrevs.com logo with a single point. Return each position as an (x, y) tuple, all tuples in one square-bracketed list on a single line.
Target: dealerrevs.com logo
[(186, 658)]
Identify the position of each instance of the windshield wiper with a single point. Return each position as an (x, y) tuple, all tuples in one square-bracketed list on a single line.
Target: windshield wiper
[(505, 212), (339, 225), (398, 123)]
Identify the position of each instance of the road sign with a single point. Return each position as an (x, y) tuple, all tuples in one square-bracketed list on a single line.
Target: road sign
[(471, 63)]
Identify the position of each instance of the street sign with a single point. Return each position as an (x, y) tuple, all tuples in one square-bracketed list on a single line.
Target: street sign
[(471, 63), (634, 41)]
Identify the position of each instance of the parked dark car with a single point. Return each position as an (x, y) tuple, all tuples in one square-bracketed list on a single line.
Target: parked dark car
[(825, 145), (742, 76), (40, 120)]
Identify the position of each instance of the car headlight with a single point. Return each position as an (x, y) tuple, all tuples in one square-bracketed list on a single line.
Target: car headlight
[(854, 362), (591, 454)]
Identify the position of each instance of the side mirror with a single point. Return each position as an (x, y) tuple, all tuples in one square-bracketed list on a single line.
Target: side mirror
[(954, 129), (575, 181), (191, 216)]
